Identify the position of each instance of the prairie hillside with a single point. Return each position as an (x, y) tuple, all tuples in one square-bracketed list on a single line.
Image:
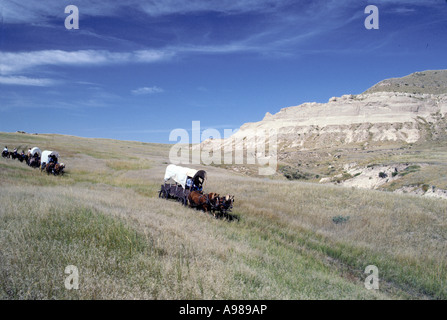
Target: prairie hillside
[(293, 240)]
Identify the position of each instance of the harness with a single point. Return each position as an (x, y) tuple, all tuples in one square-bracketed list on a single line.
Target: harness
[(215, 205), (226, 205), (206, 197)]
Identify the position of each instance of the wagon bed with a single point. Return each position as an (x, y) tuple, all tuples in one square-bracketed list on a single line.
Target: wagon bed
[(174, 191)]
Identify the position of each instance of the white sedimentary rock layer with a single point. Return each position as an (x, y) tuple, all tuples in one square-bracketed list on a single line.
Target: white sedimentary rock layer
[(378, 116)]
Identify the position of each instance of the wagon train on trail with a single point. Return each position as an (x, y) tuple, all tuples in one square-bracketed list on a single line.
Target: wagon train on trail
[(35, 158), (50, 163), (187, 189)]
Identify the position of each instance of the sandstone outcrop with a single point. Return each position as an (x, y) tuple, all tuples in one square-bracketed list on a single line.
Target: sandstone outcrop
[(373, 116)]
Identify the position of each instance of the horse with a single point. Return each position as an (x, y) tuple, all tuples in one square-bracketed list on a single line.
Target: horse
[(21, 157), (6, 154), (14, 155), (49, 168), (214, 199), (28, 157), (226, 204), (34, 162), (59, 169), (199, 201)]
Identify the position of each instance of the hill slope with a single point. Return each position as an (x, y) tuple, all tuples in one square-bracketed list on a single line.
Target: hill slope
[(397, 128), (384, 113), (293, 241), (425, 82)]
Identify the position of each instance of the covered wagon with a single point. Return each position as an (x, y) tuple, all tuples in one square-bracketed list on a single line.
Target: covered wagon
[(50, 163), (35, 151), (183, 181), (49, 156), (34, 157)]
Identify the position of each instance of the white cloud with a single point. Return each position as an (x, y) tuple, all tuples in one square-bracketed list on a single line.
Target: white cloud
[(13, 62), (15, 11), (25, 81), (403, 10), (147, 90), (166, 7)]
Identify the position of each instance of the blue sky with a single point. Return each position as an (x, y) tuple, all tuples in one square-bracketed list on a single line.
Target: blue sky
[(135, 70)]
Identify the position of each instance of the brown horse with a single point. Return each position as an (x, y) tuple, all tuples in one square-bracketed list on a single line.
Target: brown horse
[(59, 169), (14, 155), (214, 199), (34, 162), (22, 157), (214, 203), (199, 201), (50, 167), (226, 204)]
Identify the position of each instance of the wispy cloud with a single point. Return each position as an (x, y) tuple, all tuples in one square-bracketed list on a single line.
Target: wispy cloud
[(402, 10), (166, 7), (14, 11), (289, 23), (13, 62), (409, 2), (147, 90), (25, 81), (290, 29)]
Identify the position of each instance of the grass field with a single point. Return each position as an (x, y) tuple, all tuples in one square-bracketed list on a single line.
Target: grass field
[(104, 217)]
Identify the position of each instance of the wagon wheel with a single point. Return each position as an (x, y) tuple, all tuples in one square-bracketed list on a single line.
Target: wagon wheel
[(181, 200), (162, 194)]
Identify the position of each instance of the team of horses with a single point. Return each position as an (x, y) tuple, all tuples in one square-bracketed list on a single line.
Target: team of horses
[(34, 162), (54, 168), (15, 155), (218, 206)]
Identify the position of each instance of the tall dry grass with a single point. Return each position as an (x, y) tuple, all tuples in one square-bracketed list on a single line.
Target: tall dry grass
[(127, 243)]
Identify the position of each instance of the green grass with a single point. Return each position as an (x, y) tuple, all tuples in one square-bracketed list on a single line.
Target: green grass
[(128, 165), (34, 260), (410, 169)]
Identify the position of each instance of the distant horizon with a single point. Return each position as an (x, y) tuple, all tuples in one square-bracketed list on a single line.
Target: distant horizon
[(175, 142), (81, 137), (135, 70)]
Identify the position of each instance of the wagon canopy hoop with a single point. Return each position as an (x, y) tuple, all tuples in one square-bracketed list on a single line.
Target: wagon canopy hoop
[(199, 178), (180, 175)]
